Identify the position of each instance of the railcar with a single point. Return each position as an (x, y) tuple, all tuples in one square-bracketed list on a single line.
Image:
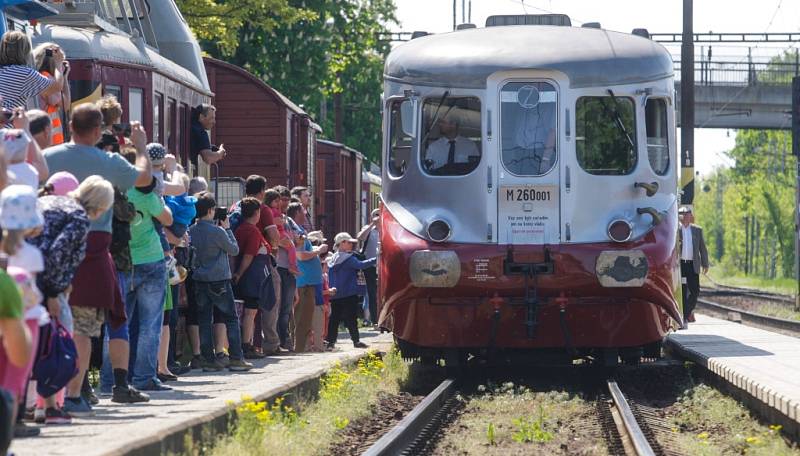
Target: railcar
[(530, 192), (337, 197), (140, 51)]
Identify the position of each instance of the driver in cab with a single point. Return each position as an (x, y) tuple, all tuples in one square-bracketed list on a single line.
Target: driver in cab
[(451, 148)]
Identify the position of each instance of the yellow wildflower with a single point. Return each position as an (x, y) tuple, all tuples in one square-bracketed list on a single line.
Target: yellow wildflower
[(703, 435)]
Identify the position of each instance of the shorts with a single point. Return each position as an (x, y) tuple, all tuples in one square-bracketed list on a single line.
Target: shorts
[(250, 303), (88, 320)]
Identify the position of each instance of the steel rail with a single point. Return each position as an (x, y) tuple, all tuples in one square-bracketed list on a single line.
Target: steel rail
[(640, 444), (782, 324), (406, 431)]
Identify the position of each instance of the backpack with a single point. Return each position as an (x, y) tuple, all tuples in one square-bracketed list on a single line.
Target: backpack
[(124, 213), (235, 216), (56, 360)]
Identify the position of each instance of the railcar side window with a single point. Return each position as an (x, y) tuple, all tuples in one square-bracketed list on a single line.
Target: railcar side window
[(605, 135), (451, 140), (400, 140), (655, 113), (528, 124)]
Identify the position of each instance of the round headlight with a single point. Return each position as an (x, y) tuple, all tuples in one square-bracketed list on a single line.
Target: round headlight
[(439, 231), (620, 230)]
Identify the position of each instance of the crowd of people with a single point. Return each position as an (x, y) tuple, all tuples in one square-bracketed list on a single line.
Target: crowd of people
[(113, 257)]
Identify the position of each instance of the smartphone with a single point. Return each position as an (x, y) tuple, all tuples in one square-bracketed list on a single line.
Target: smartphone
[(124, 128), (48, 52), (220, 214)]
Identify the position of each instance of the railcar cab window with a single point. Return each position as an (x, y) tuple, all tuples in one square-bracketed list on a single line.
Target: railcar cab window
[(451, 140), (655, 113), (401, 138), (528, 124), (605, 135)]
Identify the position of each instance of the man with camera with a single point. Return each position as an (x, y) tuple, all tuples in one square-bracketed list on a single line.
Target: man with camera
[(213, 243)]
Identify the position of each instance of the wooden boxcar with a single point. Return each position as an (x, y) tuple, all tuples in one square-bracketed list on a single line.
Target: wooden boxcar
[(262, 130), (339, 173)]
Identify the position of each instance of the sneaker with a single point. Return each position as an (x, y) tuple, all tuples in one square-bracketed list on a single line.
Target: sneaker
[(56, 416), (251, 353), (223, 359), (330, 347), (154, 385), (196, 363), (39, 416), (77, 407), (212, 366), (90, 397), (360, 345), (169, 377), (239, 365), (179, 369), (22, 430), (129, 395)]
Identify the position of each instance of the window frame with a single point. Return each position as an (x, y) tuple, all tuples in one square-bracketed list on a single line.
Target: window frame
[(633, 131), (666, 104), (422, 134), (400, 99), (140, 109), (557, 90)]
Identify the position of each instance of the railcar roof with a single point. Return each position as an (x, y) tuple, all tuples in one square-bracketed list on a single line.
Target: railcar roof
[(81, 43), (589, 57)]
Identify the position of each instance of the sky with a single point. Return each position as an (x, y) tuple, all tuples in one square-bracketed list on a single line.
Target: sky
[(658, 16)]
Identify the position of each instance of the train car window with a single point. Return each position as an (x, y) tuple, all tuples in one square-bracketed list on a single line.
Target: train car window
[(158, 108), (114, 90), (605, 135), (528, 114), (400, 139), (135, 104), (655, 115), (451, 140)]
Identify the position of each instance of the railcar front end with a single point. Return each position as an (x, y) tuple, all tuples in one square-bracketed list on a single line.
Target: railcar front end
[(530, 194)]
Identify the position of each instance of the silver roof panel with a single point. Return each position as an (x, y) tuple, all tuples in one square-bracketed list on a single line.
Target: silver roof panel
[(588, 57)]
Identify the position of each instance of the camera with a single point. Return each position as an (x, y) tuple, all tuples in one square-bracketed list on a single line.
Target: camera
[(220, 214), (48, 52), (124, 128), (7, 114)]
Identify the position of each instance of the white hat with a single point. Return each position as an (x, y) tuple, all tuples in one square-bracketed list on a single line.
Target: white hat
[(343, 237), (18, 210), (15, 143)]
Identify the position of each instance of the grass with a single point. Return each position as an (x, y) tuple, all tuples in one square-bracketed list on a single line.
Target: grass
[(708, 423), (507, 419), (782, 285), (311, 427)]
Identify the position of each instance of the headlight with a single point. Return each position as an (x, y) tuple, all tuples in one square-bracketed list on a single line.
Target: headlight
[(619, 230), (439, 231)]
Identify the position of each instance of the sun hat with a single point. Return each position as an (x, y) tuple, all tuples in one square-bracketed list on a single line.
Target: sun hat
[(316, 236), (63, 183), (15, 143), (343, 237), (157, 153), (18, 210)]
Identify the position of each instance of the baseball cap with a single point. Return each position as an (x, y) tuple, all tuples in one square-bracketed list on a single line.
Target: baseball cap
[(63, 183), (343, 237), (685, 210)]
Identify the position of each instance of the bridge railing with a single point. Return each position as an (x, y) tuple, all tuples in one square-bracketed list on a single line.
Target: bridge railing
[(742, 73)]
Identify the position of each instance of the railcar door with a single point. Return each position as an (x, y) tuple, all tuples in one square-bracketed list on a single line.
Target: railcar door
[(528, 193)]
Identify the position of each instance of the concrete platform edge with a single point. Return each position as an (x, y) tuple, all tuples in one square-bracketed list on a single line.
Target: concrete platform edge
[(206, 429), (758, 398)]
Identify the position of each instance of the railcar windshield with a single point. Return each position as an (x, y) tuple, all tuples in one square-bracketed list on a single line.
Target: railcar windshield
[(451, 141), (655, 113), (605, 135), (528, 124)]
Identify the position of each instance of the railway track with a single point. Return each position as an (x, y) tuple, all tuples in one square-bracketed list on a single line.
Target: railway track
[(416, 433), (727, 290), (788, 327)]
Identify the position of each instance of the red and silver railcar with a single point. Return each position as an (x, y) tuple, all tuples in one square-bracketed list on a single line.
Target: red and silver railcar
[(530, 193)]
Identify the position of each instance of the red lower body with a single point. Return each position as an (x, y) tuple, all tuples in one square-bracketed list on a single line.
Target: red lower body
[(573, 307)]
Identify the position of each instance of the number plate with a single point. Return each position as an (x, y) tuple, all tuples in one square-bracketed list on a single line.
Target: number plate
[(529, 214)]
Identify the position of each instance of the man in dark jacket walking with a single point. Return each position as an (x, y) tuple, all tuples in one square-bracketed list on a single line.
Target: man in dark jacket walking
[(694, 258)]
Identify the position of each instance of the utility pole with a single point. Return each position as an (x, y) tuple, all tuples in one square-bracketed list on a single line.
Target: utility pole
[(796, 153), (687, 105), (455, 5)]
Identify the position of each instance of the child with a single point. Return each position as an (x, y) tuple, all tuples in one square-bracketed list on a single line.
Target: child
[(273, 199), (327, 292), (182, 207), (16, 144), (213, 243)]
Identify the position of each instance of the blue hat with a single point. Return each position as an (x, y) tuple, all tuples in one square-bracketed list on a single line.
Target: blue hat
[(157, 152)]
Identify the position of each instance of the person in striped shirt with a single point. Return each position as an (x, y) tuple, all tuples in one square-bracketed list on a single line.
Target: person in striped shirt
[(19, 82)]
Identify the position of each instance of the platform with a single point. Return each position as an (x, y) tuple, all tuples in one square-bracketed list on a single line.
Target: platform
[(762, 366), (198, 398)]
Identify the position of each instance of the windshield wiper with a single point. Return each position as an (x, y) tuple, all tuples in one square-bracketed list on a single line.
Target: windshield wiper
[(435, 116), (617, 119)]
